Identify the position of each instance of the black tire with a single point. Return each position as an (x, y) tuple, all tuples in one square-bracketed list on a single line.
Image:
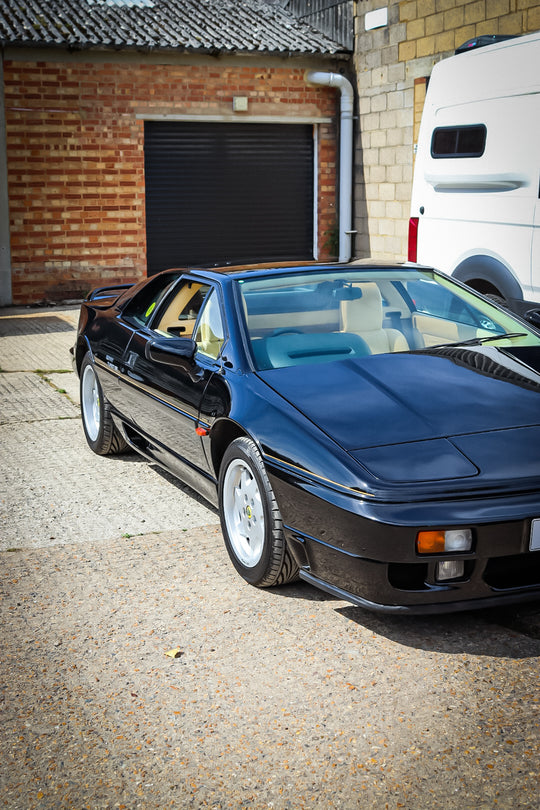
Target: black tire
[(250, 518), (99, 429), (497, 299)]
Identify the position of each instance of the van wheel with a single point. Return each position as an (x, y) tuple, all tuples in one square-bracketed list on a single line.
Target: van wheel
[(489, 291), (497, 299)]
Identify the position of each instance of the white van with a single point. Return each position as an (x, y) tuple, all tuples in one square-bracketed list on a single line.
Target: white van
[(475, 211)]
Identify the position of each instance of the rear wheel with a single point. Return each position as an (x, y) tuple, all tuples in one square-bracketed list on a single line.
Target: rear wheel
[(250, 518), (101, 434)]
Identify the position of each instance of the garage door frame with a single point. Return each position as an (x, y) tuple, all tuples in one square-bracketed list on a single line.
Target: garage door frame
[(315, 122)]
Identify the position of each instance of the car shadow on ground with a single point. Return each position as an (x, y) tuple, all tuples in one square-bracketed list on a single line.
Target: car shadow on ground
[(471, 632), (132, 457), (302, 590), (42, 325), (474, 632), (171, 479)]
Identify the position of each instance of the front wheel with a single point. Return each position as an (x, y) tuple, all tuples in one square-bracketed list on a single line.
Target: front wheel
[(101, 434), (250, 518)]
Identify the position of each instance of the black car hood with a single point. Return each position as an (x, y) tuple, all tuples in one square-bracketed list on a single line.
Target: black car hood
[(436, 414)]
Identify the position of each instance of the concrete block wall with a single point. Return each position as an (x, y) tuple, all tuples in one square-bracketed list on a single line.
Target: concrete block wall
[(392, 64), (75, 153)]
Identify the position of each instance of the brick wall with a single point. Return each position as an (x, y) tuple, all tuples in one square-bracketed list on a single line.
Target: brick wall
[(76, 161), (391, 63)]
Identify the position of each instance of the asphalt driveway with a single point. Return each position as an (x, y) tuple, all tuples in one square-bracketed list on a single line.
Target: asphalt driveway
[(138, 670)]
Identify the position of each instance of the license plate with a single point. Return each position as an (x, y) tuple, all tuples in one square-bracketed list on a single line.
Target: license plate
[(534, 544)]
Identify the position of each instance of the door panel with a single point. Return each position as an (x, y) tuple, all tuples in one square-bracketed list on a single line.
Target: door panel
[(109, 351), (165, 401)]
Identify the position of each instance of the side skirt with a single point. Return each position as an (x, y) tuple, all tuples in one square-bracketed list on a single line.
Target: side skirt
[(202, 483)]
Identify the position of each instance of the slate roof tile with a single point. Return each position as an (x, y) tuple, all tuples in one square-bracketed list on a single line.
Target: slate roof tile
[(186, 25)]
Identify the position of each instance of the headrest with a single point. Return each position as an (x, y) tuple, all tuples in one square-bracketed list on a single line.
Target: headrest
[(365, 315)]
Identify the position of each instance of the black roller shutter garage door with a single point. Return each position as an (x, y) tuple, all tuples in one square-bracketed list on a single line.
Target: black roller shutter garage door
[(227, 193)]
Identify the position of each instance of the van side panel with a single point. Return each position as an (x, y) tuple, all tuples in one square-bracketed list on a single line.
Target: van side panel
[(535, 254), (478, 216)]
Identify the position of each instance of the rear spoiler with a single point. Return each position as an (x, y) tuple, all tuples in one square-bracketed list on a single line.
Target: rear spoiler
[(108, 292)]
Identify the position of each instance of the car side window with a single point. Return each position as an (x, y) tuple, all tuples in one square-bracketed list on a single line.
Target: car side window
[(210, 333), (143, 305), (178, 315)]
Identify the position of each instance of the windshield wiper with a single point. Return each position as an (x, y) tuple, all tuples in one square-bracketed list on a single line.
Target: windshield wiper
[(477, 341)]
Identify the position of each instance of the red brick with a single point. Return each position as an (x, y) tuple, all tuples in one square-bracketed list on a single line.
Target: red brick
[(76, 159)]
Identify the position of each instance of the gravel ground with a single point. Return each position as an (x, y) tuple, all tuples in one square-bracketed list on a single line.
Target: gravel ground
[(279, 698), (271, 699)]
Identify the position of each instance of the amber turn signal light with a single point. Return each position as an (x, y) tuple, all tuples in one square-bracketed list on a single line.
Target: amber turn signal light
[(430, 542)]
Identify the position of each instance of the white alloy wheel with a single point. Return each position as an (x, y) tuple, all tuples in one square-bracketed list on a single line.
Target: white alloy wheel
[(250, 518), (243, 513), (90, 403), (99, 428)]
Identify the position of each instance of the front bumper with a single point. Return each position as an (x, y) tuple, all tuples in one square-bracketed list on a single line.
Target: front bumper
[(347, 549)]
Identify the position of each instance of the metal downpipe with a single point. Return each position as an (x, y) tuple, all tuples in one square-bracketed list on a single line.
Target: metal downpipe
[(345, 155)]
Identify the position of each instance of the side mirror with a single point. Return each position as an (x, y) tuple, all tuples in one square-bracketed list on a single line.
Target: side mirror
[(533, 316), (179, 352)]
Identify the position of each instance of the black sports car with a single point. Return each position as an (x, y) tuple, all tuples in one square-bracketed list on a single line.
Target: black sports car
[(372, 429)]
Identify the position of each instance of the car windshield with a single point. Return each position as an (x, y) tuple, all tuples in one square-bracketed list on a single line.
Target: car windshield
[(319, 316)]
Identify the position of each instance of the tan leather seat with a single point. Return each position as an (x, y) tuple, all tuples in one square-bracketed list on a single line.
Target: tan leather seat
[(209, 337), (207, 342), (364, 317)]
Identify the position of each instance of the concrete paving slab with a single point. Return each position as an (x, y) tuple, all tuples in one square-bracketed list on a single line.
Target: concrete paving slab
[(27, 397), (68, 382), (54, 490), (31, 340)]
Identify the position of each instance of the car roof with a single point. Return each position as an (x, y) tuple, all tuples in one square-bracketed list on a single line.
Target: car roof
[(245, 271)]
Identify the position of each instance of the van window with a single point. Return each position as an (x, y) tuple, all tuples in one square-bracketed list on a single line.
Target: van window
[(458, 142)]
